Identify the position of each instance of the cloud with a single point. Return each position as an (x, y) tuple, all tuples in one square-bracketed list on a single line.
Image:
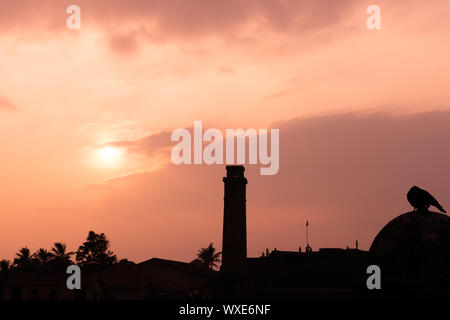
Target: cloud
[(148, 145), (126, 24), (7, 105), (124, 44), (277, 95), (224, 70)]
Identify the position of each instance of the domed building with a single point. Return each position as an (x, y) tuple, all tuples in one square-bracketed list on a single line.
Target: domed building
[(414, 245)]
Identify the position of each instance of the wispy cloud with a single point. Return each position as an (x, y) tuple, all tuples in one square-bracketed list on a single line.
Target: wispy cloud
[(276, 95), (7, 105), (147, 145), (224, 70)]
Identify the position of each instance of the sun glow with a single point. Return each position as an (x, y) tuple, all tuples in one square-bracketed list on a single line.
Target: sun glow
[(109, 155)]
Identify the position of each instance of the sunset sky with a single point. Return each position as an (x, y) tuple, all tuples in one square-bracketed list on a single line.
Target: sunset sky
[(86, 117)]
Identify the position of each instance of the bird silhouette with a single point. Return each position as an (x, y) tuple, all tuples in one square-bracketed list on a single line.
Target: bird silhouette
[(421, 199)]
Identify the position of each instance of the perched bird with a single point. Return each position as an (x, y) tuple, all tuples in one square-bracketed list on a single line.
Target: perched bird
[(421, 199)]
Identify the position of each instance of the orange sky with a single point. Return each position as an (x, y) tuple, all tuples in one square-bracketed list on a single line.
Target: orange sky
[(362, 116)]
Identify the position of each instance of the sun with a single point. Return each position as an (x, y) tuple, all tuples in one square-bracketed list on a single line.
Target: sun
[(109, 155)]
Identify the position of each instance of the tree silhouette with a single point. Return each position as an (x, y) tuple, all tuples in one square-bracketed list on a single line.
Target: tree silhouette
[(24, 258), (42, 256), (95, 250), (209, 256), (5, 265), (60, 254)]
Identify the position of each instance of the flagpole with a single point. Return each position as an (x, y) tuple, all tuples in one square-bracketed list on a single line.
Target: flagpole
[(307, 239)]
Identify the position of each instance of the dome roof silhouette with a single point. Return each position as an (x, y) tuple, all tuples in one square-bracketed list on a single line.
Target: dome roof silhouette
[(414, 244)]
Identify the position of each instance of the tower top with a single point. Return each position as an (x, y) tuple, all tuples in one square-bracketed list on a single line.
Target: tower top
[(235, 171)]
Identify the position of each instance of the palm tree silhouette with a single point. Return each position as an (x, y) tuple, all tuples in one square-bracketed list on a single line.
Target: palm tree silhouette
[(209, 256), (24, 258), (60, 254), (42, 256)]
